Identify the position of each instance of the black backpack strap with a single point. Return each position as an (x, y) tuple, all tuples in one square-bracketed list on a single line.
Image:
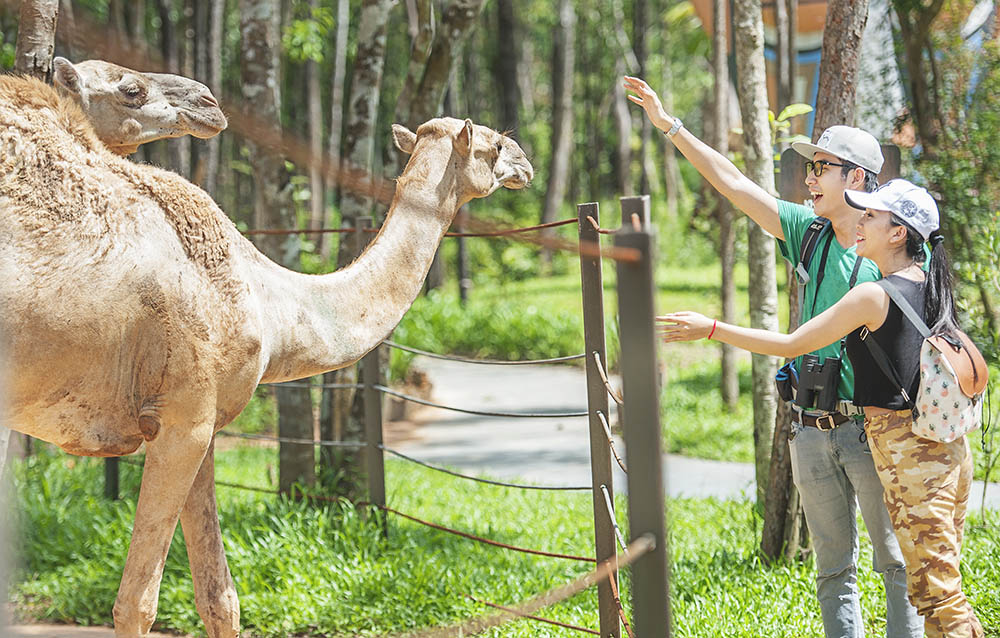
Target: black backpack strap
[(854, 273), (807, 248)]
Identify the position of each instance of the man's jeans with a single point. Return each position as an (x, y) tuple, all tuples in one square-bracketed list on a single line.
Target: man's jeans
[(830, 469)]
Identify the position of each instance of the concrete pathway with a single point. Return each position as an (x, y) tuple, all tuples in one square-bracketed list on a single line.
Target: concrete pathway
[(552, 451)]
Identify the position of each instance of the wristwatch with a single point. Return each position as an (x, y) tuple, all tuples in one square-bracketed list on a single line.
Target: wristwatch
[(678, 125)]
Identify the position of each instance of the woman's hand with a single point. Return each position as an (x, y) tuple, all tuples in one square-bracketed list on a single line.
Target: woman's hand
[(684, 326), (649, 101)]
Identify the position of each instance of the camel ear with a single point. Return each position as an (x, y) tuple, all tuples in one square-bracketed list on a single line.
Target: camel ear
[(404, 138), (64, 75), (463, 143)]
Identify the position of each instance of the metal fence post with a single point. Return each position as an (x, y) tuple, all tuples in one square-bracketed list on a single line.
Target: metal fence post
[(640, 386), (111, 478), (374, 457), (597, 403), (635, 205)]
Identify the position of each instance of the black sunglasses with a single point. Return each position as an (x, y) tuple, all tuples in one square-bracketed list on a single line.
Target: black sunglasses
[(818, 166)]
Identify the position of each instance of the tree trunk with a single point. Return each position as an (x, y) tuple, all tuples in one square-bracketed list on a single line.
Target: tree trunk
[(748, 28), (213, 78), (563, 61), (273, 209), (36, 37), (456, 24), (915, 19), (671, 172), (838, 71), (639, 26), (66, 37), (730, 383), (316, 199), (344, 424), (336, 110), (506, 64)]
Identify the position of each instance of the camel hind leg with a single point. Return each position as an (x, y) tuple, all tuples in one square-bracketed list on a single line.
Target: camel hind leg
[(173, 460), (214, 592)]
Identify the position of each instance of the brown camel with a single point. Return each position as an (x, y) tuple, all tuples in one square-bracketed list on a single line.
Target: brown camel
[(128, 108), (133, 310)]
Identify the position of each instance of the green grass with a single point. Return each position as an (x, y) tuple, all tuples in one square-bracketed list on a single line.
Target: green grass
[(327, 571)]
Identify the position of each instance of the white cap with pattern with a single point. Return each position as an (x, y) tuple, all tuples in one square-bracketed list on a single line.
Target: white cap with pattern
[(907, 201), (848, 143)]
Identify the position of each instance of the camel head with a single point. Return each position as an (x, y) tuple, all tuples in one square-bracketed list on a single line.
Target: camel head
[(128, 108), (483, 159)]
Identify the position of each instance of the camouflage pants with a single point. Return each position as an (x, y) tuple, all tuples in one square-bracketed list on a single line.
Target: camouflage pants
[(926, 489)]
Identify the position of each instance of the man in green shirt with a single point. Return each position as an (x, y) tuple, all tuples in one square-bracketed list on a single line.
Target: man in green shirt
[(831, 463)]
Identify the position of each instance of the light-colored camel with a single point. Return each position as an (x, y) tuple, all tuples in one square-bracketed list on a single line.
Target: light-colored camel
[(128, 108), (133, 310)]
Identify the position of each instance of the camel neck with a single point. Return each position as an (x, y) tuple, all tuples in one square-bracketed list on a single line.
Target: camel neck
[(316, 323)]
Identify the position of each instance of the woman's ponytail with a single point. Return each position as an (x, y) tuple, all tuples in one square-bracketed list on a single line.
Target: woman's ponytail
[(939, 300)]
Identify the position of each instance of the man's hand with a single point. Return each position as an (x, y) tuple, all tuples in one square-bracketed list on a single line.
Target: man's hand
[(684, 326), (649, 101)]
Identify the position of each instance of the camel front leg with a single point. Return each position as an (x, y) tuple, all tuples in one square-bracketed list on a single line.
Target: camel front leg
[(172, 461), (214, 592)]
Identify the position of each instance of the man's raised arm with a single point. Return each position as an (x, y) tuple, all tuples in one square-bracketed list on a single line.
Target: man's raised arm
[(722, 174)]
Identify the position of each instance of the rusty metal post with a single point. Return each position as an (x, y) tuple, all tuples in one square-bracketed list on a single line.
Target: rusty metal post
[(643, 449), (635, 205), (597, 403)]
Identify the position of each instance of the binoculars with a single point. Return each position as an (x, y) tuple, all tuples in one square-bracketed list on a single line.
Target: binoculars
[(818, 383)]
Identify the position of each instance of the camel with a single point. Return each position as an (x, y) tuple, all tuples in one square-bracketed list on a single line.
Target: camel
[(135, 312), (128, 108)]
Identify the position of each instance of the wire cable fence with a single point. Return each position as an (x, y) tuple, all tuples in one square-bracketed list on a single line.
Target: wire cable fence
[(495, 362)]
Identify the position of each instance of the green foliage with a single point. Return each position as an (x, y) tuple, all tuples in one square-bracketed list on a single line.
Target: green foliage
[(326, 570), (6, 55), (305, 38)]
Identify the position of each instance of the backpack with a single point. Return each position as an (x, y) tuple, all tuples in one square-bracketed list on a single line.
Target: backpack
[(953, 376)]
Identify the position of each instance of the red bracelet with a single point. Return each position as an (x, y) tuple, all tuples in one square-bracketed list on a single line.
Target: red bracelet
[(715, 322)]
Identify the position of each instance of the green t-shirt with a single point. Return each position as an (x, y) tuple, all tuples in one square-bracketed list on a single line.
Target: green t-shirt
[(795, 218)]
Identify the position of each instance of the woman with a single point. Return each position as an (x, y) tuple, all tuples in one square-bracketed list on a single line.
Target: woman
[(926, 483)]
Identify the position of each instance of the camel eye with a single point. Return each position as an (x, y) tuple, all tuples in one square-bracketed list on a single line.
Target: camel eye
[(132, 91)]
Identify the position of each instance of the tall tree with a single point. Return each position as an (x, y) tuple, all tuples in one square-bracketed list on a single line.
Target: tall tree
[(838, 70), (784, 530), (640, 24), (563, 61), (671, 171), (314, 99), (748, 30), (915, 19), (36, 35), (730, 386), (260, 47), (506, 65), (336, 108), (357, 159), (626, 62), (213, 78)]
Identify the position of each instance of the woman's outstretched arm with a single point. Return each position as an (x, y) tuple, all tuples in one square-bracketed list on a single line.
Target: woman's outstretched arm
[(865, 305)]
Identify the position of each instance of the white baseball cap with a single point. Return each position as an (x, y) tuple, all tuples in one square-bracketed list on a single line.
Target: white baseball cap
[(849, 143), (911, 203)]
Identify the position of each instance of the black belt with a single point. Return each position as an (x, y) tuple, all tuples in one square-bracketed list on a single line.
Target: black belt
[(823, 422)]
